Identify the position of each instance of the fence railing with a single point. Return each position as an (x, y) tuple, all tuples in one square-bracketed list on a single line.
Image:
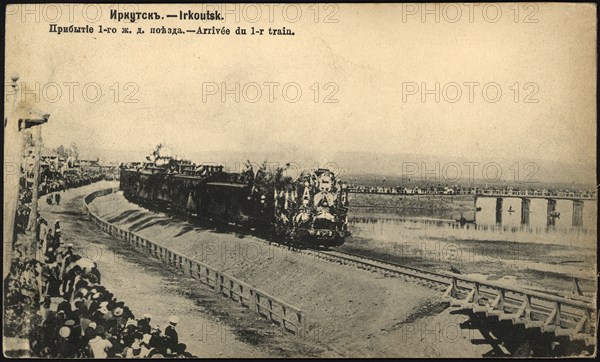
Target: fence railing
[(574, 317), (289, 318), (570, 195)]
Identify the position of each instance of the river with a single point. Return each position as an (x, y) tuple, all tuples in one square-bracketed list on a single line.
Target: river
[(394, 224)]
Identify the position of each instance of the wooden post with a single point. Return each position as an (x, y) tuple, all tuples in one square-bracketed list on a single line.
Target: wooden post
[(33, 219), (451, 291), (282, 318), (251, 300), (303, 325), (528, 307), (206, 276), (13, 154), (193, 271), (241, 295), (187, 270), (216, 286), (476, 294), (501, 294), (256, 302)]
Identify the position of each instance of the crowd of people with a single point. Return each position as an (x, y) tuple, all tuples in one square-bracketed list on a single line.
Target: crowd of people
[(52, 184), (65, 312), (54, 181), (57, 302), (464, 190)]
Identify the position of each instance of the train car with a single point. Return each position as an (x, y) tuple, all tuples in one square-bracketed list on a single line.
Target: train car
[(310, 210), (313, 209)]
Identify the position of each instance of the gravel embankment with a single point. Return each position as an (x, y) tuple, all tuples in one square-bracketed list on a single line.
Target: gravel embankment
[(355, 312)]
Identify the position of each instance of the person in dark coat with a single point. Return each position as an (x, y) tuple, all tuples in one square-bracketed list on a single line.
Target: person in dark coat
[(65, 307), (51, 241), (64, 346), (50, 255), (57, 231), (57, 198), (144, 324), (182, 351), (53, 281), (40, 220), (171, 337)]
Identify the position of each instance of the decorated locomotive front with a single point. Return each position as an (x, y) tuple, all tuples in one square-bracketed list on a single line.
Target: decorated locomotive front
[(313, 209)]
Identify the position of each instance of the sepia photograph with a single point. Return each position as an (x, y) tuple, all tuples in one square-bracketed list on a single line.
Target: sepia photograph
[(284, 180)]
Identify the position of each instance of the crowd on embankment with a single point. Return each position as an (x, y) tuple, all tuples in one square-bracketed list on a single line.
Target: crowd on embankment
[(50, 185), (55, 299)]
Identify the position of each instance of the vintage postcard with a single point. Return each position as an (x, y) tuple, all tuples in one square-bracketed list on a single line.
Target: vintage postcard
[(408, 180)]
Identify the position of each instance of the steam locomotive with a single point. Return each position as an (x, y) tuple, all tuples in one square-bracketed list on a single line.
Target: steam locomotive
[(310, 210)]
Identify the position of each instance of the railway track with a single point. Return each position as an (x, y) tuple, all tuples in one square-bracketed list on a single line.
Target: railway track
[(428, 278), (437, 281), (568, 317), (432, 279)]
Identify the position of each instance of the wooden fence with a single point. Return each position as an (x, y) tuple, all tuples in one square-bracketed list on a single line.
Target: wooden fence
[(549, 313), (289, 318)]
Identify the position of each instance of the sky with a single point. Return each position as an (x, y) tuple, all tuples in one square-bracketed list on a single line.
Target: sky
[(371, 69)]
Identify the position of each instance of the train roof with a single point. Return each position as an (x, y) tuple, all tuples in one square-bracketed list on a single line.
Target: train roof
[(227, 184)]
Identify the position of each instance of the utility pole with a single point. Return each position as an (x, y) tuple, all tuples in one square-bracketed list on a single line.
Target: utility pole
[(12, 177), (33, 221)]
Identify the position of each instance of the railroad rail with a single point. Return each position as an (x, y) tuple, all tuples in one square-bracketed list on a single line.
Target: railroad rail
[(570, 316)]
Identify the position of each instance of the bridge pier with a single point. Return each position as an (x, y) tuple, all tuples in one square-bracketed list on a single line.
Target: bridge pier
[(551, 208), (525, 204), (499, 202), (577, 213)]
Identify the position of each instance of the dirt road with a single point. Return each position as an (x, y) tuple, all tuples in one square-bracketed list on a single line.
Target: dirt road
[(211, 326)]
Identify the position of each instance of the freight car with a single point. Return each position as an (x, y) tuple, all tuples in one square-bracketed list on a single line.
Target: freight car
[(310, 210)]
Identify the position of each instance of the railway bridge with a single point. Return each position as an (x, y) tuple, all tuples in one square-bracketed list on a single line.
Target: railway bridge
[(577, 197), (526, 195)]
